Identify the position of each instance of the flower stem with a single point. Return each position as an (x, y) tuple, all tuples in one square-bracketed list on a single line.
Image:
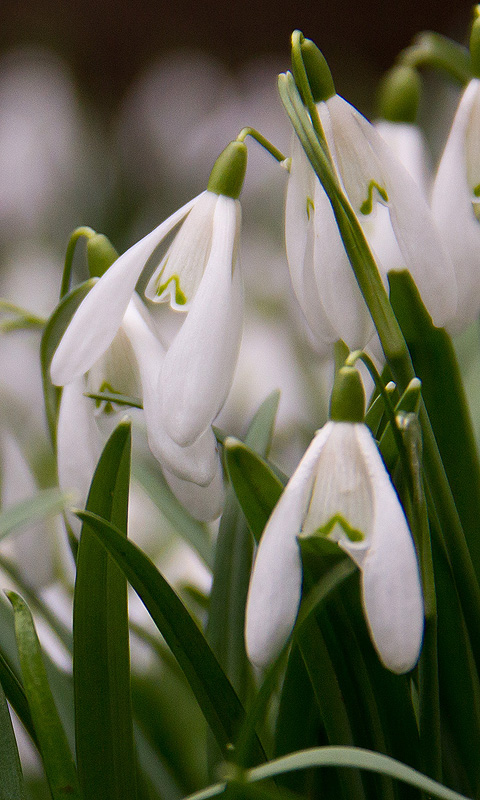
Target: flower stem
[(268, 146)]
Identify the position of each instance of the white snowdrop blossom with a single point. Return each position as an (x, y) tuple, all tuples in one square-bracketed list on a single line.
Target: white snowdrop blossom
[(185, 376), (131, 365), (395, 218), (456, 202), (341, 487)]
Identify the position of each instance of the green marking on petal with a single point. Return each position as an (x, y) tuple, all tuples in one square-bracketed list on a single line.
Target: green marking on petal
[(476, 209), (476, 191), (180, 297), (108, 407), (352, 533), (367, 205), (310, 206)]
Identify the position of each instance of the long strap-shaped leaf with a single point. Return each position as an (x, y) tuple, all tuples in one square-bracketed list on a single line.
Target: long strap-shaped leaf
[(11, 780), (340, 757), (215, 694), (101, 661), (54, 749)]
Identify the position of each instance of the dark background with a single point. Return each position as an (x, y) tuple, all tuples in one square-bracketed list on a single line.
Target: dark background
[(107, 44)]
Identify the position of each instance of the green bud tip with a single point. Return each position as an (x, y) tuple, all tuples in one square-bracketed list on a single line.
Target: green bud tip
[(475, 43), (317, 70), (347, 403), (399, 94), (100, 255), (228, 172)]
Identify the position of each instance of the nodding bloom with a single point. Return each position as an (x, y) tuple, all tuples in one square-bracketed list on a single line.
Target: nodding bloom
[(340, 490), (395, 218), (456, 202), (185, 375)]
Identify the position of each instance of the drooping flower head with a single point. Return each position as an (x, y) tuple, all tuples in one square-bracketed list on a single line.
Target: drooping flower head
[(340, 490), (388, 204), (199, 277)]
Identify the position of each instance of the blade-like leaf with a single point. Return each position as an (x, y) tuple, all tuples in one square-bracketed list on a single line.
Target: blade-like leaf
[(54, 749), (101, 662), (340, 757), (233, 562), (45, 504), (16, 696), (11, 780), (52, 334), (256, 486), (215, 695)]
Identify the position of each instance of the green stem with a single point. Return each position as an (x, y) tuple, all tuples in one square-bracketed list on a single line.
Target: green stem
[(268, 146), (88, 233), (25, 318), (434, 51)]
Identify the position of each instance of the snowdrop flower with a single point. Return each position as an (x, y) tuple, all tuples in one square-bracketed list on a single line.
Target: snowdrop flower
[(456, 204), (394, 216), (131, 365), (340, 490), (200, 279)]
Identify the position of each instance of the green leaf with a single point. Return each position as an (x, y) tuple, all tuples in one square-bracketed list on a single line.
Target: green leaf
[(195, 533), (54, 749), (45, 504), (215, 695), (436, 365), (340, 757), (16, 696), (101, 661), (54, 330), (256, 486), (11, 780), (233, 562)]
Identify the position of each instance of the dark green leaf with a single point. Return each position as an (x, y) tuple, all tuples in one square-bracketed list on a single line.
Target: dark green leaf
[(101, 662), (54, 749), (11, 780), (215, 695)]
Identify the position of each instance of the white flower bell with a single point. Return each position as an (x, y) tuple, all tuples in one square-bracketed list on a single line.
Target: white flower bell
[(342, 490), (200, 278), (393, 213)]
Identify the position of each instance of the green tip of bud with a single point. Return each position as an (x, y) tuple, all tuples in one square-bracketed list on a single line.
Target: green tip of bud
[(347, 403), (228, 172), (399, 94), (475, 43), (317, 70), (100, 255)]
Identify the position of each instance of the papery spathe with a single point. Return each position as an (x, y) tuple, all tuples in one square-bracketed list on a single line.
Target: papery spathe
[(341, 473)]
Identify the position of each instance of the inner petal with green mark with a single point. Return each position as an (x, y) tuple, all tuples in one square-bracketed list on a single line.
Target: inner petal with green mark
[(367, 205), (351, 533), (179, 274)]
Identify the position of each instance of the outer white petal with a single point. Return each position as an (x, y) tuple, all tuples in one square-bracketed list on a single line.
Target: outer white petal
[(406, 141), (299, 241), (199, 365), (454, 214), (392, 592), (417, 236), (342, 301), (276, 582), (79, 443), (197, 463), (205, 503), (99, 316)]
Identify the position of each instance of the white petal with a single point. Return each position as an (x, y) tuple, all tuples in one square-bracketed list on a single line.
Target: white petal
[(98, 317), (299, 239), (392, 592), (79, 443), (417, 236), (204, 503), (342, 301), (454, 213), (407, 142), (182, 266), (199, 365), (276, 582), (197, 463)]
